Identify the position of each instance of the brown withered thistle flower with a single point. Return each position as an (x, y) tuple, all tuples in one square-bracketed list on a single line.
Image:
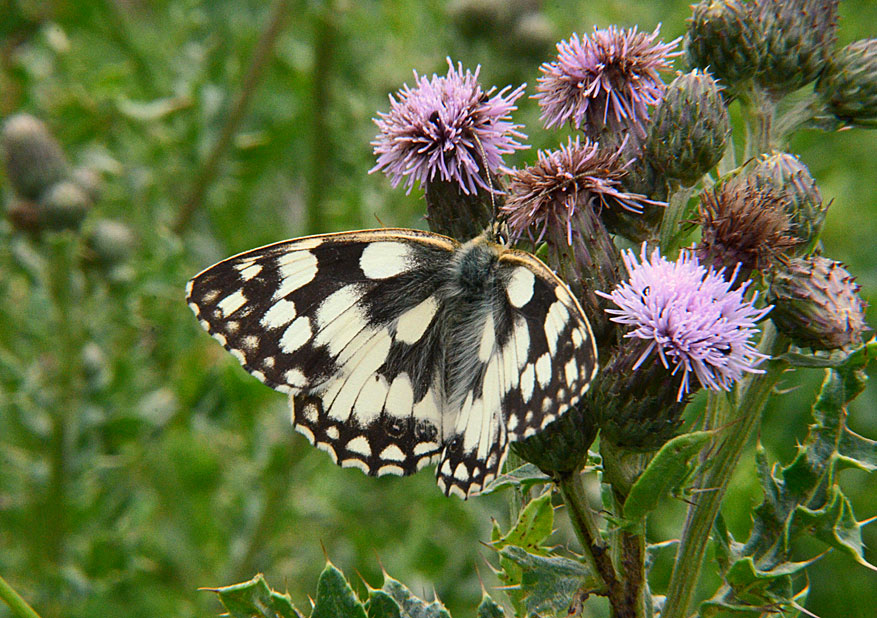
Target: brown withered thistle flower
[(744, 227)]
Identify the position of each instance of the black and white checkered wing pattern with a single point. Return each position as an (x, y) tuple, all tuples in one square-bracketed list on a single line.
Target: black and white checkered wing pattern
[(400, 348), (346, 325), (535, 357)]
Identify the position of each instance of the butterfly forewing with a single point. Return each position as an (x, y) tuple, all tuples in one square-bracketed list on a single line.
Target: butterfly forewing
[(400, 347)]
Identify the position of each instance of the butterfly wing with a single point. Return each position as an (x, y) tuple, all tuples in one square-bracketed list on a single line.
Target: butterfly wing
[(347, 325), (533, 356), (561, 353)]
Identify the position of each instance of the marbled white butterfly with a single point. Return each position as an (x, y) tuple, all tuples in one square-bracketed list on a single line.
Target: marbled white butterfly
[(400, 348)]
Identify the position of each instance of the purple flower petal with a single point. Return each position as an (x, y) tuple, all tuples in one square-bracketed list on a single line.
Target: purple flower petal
[(695, 320), (446, 128), (609, 78)]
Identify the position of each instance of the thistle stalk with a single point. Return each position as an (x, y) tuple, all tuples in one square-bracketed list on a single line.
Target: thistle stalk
[(15, 601), (703, 512)]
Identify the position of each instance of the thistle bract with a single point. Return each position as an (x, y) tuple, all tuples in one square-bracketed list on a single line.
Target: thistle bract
[(817, 304), (848, 86), (637, 404), (790, 179), (690, 128)]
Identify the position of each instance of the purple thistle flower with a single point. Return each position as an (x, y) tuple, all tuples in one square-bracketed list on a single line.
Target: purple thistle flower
[(447, 128), (692, 317), (607, 79), (548, 194)]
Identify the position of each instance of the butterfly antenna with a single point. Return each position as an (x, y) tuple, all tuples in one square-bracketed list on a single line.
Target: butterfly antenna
[(494, 211)]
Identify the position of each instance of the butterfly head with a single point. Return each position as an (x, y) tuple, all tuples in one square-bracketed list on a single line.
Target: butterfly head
[(498, 232)]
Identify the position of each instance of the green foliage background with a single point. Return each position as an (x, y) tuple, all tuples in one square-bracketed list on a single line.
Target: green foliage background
[(181, 470)]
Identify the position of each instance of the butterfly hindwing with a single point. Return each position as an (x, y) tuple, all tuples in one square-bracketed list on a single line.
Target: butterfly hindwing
[(400, 347), (536, 358)]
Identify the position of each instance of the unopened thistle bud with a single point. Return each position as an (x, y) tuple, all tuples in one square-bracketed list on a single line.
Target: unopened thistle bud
[(33, 158), (801, 198), (722, 37), (848, 85), (563, 445), (817, 304), (744, 227), (690, 129), (797, 39), (64, 206), (637, 406)]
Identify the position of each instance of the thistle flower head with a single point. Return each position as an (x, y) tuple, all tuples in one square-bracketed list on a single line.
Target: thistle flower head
[(723, 37), (691, 316), (796, 40), (446, 128), (848, 85), (817, 304), (546, 195), (744, 225), (607, 79)]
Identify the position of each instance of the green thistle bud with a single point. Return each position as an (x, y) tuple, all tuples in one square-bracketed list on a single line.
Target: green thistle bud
[(797, 39), (785, 174), (90, 181), (638, 408), (642, 178), (722, 36), (111, 242), (63, 206), (562, 446), (816, 303), (848, 85), (690, 129), (33, 158)]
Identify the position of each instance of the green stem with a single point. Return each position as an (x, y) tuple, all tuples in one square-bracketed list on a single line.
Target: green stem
[(760, 124), (621, 468), (596, 550), (15, 601), (210, 167), (67, 389), (633, 568), (705, 508), (676, 206)]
